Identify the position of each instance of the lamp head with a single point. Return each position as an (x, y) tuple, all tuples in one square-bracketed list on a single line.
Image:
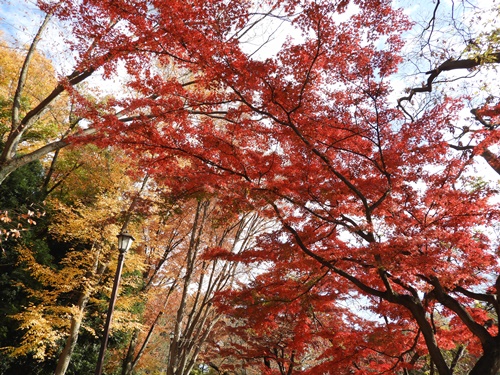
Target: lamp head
[(124, 241)]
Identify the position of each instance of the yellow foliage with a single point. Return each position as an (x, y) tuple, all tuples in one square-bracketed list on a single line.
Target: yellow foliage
[(41, 76), (42, 331), (41, 80), (90, 224)]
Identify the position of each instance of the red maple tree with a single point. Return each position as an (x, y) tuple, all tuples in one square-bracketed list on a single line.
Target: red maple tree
[(379, 204)]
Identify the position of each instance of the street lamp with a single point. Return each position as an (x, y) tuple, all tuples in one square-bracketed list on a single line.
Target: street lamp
[(124, 242)]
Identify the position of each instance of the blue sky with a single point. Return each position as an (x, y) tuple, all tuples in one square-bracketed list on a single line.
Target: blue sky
[(19, 20)]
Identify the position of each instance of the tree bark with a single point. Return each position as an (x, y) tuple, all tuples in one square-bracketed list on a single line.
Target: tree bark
[(129, 358), (492, 160), (130, 361), (10, 148), (10, 165), (489, 363), (76, 321)]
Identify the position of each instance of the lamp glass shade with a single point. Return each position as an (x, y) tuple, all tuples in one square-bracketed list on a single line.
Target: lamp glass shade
[(124, 241)]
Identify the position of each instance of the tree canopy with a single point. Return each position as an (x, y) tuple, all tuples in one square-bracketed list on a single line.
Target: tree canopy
[(383, 253)]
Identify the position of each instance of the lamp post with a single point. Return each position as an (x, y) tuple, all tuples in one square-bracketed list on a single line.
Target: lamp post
[(124, 242)]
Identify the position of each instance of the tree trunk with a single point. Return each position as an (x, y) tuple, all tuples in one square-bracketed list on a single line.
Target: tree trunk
[(129, 358), (76, 321), (130, 361), (491, 159), (489, 363)]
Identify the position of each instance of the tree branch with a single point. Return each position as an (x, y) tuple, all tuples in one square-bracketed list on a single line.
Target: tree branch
[(448, 65), (451, 303)]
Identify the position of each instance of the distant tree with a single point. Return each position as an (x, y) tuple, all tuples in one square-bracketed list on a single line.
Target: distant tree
[(181, 282)]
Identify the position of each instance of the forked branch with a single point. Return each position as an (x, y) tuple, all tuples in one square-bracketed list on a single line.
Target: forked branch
[(448, 65)]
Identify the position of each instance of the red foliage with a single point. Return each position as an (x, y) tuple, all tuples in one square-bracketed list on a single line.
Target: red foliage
[(373, 209), (491, 111)]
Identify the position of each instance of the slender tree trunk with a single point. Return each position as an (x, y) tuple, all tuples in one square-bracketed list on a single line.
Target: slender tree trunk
[(76, 321), (130, 361), (17, 130), (456, 357), (129, 358), (176, 359)]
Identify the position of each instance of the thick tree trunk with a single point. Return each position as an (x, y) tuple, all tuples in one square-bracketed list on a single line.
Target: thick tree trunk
[(76, 321), (489, 363)]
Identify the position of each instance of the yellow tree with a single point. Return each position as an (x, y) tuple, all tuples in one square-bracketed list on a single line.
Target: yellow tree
[(26, 81), (86, 211), (49, 125), (36, 85)]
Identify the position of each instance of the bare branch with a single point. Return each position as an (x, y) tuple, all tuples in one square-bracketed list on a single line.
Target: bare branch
[(449, 65)]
